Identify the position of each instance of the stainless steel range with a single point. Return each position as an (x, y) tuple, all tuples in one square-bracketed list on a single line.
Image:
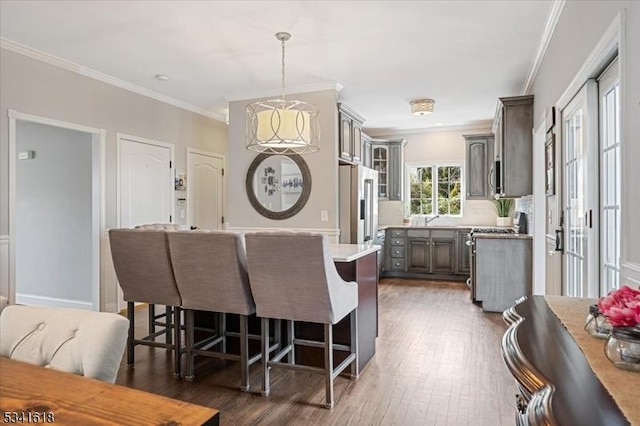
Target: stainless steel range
[(471, 282)]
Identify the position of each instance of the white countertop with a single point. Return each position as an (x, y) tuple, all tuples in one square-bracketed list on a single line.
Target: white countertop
[(351, 252)]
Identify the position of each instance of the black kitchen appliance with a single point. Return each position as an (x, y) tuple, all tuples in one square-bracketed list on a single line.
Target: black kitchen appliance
[(520, 223)]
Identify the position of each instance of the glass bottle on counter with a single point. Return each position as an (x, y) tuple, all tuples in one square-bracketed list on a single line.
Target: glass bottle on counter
[(623, 348), (597, 324)]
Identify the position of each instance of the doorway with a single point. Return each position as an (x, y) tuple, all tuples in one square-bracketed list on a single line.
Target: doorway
[(56, 212), (205, 189)]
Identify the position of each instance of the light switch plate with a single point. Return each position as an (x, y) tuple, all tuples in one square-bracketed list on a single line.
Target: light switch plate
[(324, 215)]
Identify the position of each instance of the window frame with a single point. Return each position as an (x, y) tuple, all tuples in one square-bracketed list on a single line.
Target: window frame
[(435, 165)]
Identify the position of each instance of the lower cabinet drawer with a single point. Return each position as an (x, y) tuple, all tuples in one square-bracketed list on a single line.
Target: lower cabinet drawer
[(397, 241), (397, 264), (397, 251)]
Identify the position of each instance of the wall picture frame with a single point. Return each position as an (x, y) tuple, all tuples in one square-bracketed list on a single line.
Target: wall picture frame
[(550, 160)]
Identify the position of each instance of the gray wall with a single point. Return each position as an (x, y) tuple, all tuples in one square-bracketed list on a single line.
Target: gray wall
[(34, 87), (37, 88), (580, 27), (323, 166), (54, 250)]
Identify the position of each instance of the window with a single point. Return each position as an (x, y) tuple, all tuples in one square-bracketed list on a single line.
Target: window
[(435, 190)]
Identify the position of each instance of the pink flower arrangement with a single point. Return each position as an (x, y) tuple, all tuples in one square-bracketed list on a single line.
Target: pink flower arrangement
[(621, 307)]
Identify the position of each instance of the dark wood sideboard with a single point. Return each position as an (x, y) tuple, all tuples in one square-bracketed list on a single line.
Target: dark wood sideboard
[(556, 385)]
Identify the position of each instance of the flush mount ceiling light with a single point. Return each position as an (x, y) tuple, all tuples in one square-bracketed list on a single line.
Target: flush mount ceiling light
[(422, 106), (161, 77), (283, 126)]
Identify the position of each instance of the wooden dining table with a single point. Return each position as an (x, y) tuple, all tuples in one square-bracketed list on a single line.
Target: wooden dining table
[(33, 394)]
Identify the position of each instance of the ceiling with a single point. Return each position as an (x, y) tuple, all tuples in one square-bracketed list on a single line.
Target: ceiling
[(463, 54)]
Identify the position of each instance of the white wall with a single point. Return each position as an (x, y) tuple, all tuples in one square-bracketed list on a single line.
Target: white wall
[(439, 147), (323, 166), (580, 27), (54, 250)]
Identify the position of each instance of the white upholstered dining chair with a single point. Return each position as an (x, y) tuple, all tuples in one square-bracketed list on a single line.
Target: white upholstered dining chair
[(72, 340)]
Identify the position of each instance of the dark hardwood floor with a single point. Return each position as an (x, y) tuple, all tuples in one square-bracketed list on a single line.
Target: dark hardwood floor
[(437, 362)]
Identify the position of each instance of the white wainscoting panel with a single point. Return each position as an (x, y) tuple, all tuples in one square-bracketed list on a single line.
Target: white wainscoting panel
[(333, 234), (4, 266), (631, 274), (108, 281)]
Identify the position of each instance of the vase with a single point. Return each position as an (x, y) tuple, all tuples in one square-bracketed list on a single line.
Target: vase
[(623, 348), (504, 221), (597, 325)]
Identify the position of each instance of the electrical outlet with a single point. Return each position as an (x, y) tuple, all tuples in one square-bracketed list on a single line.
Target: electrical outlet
[(324, 215), (182, 214)]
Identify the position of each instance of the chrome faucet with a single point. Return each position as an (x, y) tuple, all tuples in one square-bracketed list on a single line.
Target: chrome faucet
[(426, 221)]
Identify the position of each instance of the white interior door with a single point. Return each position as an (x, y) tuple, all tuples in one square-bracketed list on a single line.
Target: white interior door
[(145, 182), (580, 170), (205, 189), (609, 88)]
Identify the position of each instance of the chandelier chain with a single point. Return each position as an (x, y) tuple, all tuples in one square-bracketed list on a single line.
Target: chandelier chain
[(282, 69)]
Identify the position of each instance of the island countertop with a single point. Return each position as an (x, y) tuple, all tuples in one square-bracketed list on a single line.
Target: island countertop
[(351, 252)]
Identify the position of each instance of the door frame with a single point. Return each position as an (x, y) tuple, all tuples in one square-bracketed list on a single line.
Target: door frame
[(611, 43), (98, 210), (120, 302), (123, 136), (190, 173)]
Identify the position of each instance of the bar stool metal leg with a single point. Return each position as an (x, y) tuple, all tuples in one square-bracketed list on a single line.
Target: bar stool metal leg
[(189, 375), (177, 349), (328, 364), (265, 356), (132, 327), (291, 356), (244, 354)]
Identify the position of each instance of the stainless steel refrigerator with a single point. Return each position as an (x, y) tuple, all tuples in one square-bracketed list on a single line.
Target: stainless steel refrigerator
[(358, 204)]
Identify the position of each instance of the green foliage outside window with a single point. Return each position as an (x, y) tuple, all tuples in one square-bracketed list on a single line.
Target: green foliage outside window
[(446, 181)]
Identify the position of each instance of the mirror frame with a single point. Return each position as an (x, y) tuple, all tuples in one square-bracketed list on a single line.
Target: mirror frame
[(304, 195)]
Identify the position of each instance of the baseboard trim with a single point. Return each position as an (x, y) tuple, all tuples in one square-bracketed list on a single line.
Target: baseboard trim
[(32, 299)]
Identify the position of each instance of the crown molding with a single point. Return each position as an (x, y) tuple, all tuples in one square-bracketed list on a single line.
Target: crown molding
[(482, 125), (105, 78), (543, 43), (307, 88)]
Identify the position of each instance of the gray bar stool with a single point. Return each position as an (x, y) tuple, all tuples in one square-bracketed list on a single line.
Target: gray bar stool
[(210, 270), (143, 267), (293, 277)]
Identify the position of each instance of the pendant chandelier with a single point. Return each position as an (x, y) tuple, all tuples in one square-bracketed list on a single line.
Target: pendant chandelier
[(282, 126)]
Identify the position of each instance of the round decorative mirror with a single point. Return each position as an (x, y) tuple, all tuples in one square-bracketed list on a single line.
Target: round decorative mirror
[(278, 186)]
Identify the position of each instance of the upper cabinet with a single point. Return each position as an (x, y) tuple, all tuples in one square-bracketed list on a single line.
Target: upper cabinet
[(386, 156), (513, 129), (350, 135), (480, 166)]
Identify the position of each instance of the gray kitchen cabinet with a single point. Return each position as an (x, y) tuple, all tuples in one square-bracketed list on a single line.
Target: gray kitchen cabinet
[(366, 151), (480, 162), (443, 255), (350, 135), (388, 159), (514, 146), (463, 263), (419, 255), (395, 247), (429, 253), (503, 271)]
